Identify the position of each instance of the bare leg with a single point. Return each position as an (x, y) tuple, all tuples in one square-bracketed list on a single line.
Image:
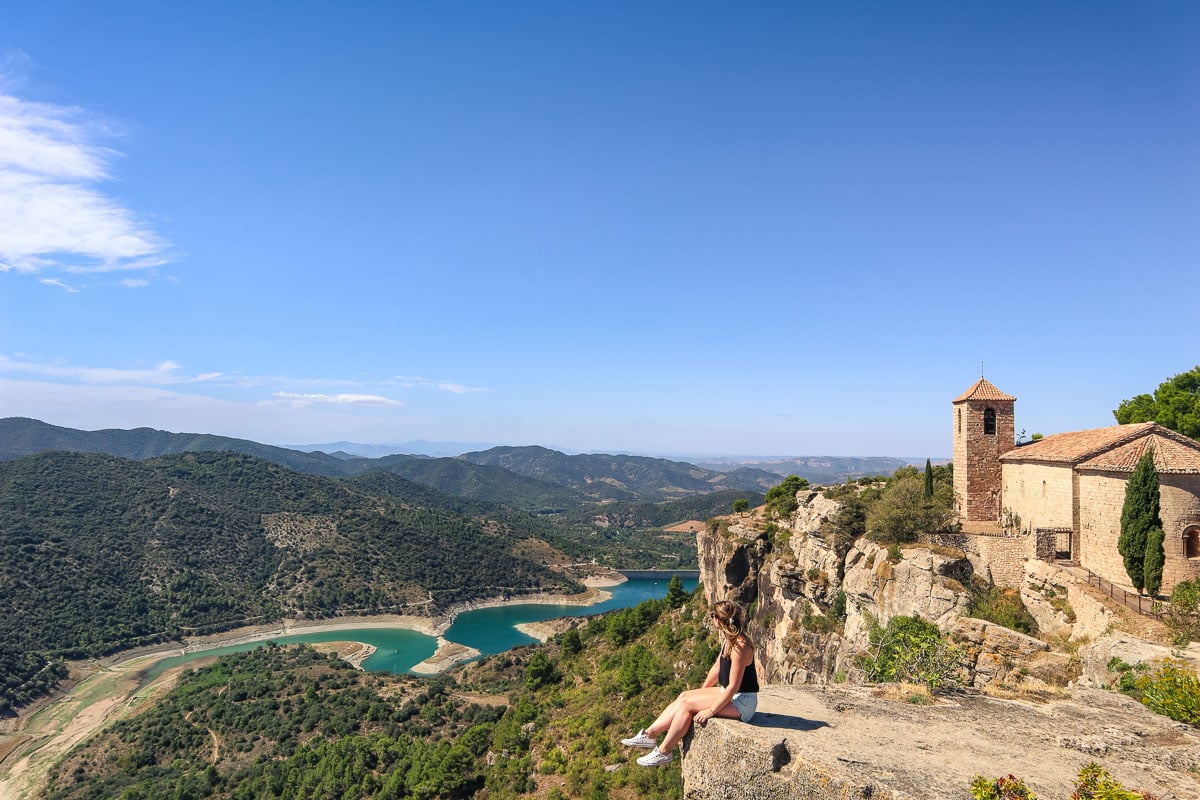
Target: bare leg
[(663, 722), (681, 712)]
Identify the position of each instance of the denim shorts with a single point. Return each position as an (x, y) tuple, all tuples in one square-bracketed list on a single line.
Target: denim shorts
[(746, 703)]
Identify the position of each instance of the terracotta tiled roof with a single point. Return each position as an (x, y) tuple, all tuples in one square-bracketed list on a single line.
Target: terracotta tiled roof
[(1172, 454), (1078, 446), (982, 389)]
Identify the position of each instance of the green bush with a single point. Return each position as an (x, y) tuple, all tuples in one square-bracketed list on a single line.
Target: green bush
[(911, 650), (781, 499), (570, 642), (902, 511), (1093, 783), (1003, 607), (1171, 689), (1096, 784), (1007, 788), (1183, 615), (540, 672)]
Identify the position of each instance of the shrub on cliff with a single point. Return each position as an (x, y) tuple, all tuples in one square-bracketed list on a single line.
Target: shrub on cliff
[(781, 499), (1183, 615), (1093, 783), (1003, 607), (902, 511), (911, 650), (1171, 689)]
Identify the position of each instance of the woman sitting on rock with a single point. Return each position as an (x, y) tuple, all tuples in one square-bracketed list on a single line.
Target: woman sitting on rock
[(730, 690)]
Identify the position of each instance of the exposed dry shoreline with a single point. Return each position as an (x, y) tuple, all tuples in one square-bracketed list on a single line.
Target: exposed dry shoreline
[(430, 626)]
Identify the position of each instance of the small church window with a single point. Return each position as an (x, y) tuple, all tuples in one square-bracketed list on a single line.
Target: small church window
[(1191, 542), (960, 420), (989, 421)]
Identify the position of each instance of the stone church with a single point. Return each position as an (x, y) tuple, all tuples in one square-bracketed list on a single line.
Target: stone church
[(1068, 488)]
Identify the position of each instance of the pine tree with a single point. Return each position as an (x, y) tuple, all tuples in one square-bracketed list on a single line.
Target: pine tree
[(676, 597), (928, 480), (1152, 568), (1139, 516)]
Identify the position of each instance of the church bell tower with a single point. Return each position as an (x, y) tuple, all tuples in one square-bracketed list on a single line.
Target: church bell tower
[(984, 430)]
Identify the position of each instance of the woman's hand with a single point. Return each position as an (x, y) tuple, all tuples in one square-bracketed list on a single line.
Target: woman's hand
[(703, 716)]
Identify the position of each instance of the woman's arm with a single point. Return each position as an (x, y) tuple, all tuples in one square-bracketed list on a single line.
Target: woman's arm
[(738, 659)]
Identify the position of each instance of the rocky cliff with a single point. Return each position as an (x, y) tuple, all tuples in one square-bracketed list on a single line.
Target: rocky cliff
[(814, 596)]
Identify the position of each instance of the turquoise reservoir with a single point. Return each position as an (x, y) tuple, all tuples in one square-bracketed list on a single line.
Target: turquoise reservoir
[(488, 630)]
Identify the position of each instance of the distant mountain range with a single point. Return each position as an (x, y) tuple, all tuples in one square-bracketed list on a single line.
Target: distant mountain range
[(417, 447), (620, 477), (529, 478), (820, 469)]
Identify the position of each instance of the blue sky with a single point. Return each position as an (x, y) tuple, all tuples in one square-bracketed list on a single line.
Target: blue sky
[(690, 229)]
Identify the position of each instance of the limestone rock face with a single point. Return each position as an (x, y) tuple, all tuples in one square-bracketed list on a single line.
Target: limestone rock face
[(992, 651), (840, 742), (790, 585), (1060, 606), (1096, 656), (923, 584), (813, 512)]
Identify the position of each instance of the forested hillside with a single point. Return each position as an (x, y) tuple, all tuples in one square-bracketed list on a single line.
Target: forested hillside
[(619, 477), (288, 723), (99, 553), (20, 436), (656, 515), (816, 469), (621, 535)]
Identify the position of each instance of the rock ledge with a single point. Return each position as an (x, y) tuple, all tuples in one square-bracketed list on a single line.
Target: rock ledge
[(842, 742)]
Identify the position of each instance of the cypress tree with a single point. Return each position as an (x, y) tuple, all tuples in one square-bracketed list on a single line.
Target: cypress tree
[(1139, 516), (1152, 569), (928, 480)]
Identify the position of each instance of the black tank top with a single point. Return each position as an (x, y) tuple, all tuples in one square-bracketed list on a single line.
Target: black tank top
[(749, 675)]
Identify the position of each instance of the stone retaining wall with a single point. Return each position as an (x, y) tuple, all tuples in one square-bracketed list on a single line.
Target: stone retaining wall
[(1004, 555)]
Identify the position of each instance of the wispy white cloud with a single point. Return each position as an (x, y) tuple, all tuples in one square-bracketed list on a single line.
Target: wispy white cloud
[(134, 283), (414, 382), (295, 393), (60, 284), (163, 373), (52, 216), (305, 400)]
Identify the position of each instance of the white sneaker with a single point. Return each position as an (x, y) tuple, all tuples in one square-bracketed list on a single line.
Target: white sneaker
[(641, 740), (656, 759)]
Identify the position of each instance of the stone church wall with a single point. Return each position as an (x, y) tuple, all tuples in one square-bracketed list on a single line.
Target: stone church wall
[(1040, 494), (1101, 497), (1179, 500)]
